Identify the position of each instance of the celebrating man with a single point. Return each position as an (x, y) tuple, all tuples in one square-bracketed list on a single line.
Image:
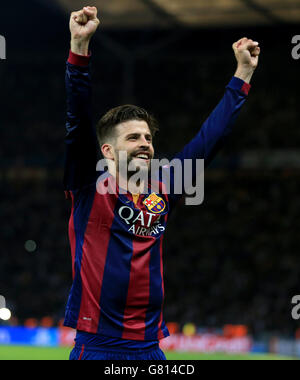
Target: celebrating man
[(116, 299)]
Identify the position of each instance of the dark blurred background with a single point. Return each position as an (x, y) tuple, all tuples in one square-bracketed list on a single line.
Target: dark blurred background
[(232, 260)]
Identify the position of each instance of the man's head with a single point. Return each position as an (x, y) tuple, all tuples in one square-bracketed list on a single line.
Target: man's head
[(128, 129)]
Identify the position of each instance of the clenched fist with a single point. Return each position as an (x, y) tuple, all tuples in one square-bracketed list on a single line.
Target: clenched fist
[(83, 25), (247, 55)]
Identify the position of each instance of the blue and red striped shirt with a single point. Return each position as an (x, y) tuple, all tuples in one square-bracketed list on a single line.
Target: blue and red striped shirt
[(116, 244)]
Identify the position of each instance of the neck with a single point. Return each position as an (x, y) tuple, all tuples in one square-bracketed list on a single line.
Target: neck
[(127, 181), (134, 187)]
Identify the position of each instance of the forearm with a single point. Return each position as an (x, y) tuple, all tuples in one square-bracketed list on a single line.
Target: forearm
[(244, 73), (78, 89)]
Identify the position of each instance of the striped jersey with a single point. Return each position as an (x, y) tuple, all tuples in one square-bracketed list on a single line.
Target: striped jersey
[(116, 239)]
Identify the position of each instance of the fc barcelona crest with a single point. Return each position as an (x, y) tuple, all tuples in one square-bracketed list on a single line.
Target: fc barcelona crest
[(155, 204)]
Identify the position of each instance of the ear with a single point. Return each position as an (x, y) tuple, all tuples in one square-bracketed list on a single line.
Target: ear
[(108, 151)]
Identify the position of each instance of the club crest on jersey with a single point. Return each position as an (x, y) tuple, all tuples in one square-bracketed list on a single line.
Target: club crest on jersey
[(155, 204)]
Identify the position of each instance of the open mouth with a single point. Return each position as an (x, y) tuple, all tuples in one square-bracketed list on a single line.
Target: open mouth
[(143, 156)]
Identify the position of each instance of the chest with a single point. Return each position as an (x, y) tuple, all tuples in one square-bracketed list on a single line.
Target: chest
[(145, 215)]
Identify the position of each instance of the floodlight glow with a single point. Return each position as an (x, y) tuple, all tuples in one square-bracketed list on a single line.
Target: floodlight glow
[(5, 314), (30, 246)]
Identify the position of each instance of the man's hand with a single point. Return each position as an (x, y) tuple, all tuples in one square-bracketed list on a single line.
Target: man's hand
[(83, 25), (247, 55)]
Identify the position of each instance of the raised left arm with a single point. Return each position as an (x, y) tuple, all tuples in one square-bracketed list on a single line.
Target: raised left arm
[(218, 126)]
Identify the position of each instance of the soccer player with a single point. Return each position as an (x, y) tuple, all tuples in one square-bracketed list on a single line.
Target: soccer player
[(116, 299)]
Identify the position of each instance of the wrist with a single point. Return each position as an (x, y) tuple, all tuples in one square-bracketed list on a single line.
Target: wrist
[(79, 60), (80, 47), (245, 73)]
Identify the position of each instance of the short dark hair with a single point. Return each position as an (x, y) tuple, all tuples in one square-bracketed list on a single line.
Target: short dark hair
[(106, 126)]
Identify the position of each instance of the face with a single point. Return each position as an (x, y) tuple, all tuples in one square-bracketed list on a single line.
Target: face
[(135, 139)]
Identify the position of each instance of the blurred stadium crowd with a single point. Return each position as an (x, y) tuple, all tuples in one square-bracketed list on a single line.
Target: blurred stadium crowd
[(232, 260)]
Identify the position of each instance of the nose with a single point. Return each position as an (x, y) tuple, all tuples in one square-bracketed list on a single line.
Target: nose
[(144, 143)]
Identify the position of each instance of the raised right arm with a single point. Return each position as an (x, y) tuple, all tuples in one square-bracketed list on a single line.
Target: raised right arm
[(81, 141)]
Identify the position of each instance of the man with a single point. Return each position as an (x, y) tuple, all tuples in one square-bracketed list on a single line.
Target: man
[(116, 299)]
